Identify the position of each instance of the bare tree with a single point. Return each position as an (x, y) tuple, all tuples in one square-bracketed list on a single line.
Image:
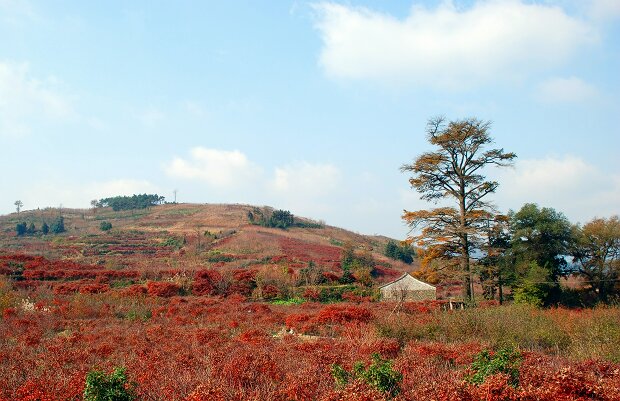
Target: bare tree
[(18, 205)]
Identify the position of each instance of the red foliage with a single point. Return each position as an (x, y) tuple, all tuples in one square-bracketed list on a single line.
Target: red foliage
[(134, 289), (162, 289), (312, 294), (206, 282), (270, 291), (343, 314)]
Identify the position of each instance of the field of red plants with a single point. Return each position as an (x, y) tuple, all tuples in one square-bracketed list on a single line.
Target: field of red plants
[(228, 348), (212, 322)]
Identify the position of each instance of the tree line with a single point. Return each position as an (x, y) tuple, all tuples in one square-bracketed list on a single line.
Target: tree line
[(56, 227), (529, 250), (118, 203)]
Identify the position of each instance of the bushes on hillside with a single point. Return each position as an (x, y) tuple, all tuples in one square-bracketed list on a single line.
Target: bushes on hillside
[(131, 202), (105, 226), (403, 251), (278, 219)]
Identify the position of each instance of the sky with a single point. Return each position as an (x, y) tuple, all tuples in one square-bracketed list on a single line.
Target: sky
[(306, 106)]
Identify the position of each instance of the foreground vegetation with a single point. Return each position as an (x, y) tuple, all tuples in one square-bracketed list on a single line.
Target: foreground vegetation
[(54, 346), (189, 303)]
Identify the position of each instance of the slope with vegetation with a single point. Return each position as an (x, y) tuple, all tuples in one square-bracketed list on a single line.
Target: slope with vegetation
[(199, 302)]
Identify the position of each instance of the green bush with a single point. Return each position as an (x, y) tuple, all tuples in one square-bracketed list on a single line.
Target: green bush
[(379, 374), (21, 229), (505, 361), (403, 251), (113, 387), (173, 242), (105, 226), (58, 226)]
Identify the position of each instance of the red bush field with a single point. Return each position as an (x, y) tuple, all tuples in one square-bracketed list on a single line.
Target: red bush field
[(196, 323)]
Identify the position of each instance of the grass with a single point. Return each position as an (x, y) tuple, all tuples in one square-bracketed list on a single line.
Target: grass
[(575, 334)]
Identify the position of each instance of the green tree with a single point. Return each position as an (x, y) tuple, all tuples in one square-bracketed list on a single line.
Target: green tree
[(454, 171), (31, 229), (597, 255), (542, 235), (21, 229), (105, 226), (495, 269), (534, 285), (131, 202), (281, 219), (45, 229), (403, 251), (58, 225)]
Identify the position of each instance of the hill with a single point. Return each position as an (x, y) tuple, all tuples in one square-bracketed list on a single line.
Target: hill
[(194, 303), (173, 242)]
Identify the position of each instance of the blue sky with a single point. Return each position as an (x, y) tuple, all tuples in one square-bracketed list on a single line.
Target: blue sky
[(305, 106)]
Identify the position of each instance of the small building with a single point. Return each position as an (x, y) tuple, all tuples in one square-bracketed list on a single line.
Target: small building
[(407, 288)]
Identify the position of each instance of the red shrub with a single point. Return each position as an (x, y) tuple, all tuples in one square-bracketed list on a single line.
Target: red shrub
[(270, 291), (134, 289), (94, 288), (162, 289), (312, 294), (343, 313)]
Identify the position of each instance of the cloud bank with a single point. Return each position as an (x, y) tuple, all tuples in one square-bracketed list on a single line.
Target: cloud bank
[(232, 177), (568, 184), (447, 46), (25, 99)]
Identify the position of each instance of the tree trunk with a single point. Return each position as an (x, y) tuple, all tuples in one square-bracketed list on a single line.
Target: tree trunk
[(468, 293), (501, 288)]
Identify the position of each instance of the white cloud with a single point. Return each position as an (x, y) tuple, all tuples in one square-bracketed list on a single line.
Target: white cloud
[(448, 47), (218, 168), (194, 108), (568, 184), (306, 179), (604, 9), (119, 187), (25, 99), (566, 90), (54, 192), (17, 12), (308, 189), (151, 117)]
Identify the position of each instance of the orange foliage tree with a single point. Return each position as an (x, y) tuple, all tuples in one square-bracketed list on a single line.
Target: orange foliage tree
[(454, 171), (597, 252)]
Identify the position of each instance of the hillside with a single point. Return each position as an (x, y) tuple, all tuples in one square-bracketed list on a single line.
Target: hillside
[(193, 303), (174, 241)]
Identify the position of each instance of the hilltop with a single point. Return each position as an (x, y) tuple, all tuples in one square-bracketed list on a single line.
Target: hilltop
[(172, 242)]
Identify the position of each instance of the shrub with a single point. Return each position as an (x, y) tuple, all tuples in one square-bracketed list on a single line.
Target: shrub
[(58, 226), (403, 252), (105, 226), (162, 289), (113, 387), (505, 361), (379, 374), (21, 229)]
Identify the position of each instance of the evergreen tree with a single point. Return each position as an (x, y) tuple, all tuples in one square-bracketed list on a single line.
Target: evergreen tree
[(58, 226), (20, 229)]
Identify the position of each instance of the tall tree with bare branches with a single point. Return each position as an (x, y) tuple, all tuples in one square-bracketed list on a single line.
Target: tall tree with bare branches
[(18, 205), (453, 171)]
